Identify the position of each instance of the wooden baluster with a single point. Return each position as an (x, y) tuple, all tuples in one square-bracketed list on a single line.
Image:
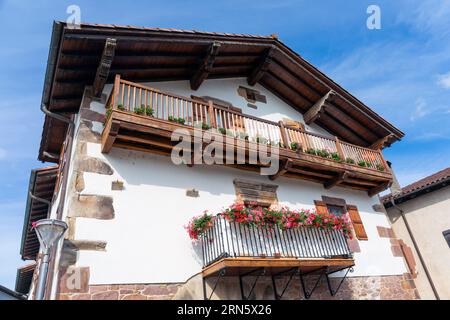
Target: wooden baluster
[(339, 149), (116, 89), (211, 114)]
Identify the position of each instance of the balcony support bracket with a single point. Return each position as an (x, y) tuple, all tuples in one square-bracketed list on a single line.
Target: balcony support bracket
[(259, 272), (379, 188), (319, 107), (284, 167), (341, 177), (104, 66), (262, 67), (205, 66), (291, 272), (219, 276), (335, 291), (308, 293)]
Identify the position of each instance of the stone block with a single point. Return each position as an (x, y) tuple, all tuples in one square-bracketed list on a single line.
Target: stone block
[(91, 206)]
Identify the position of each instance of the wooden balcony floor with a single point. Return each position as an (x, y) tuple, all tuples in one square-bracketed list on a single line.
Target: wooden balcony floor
[(238, 266), (141, 133)]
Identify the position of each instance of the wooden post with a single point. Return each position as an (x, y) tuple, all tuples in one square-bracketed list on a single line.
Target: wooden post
[(283, 134), (385, 164), (116, 91), (211, 114), (339, 148)]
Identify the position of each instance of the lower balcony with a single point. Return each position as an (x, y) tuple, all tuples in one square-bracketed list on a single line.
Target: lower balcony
[(234, 249), (141, 118)]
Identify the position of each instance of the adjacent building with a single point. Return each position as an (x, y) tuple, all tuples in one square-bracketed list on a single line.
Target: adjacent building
[(132, 115), (420, 217)]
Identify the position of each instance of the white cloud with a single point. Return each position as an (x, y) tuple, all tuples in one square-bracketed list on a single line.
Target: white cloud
[(3, 153), (444, 80), (420, 111)]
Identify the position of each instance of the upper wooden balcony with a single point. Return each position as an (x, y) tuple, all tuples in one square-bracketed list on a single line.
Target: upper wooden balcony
[(302, 154)]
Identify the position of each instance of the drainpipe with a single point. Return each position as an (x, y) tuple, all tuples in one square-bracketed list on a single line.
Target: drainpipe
[(416, 247), (71, 125), (55, 115)]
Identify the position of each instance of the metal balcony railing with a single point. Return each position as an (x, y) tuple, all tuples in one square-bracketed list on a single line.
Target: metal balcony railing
[(233, 240)]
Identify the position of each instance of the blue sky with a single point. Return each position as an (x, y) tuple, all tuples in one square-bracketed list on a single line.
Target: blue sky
[(401, 71)]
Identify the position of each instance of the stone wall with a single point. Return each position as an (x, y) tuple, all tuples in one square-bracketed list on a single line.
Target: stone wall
[(353, 288), (124, 292)]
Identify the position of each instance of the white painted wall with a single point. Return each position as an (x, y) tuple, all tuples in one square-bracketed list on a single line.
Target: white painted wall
[(146, 241)]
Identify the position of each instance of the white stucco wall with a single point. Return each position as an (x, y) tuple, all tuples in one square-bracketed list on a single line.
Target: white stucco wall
[(146, 241)]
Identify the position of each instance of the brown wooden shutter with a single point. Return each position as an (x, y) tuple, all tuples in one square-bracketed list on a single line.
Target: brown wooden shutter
[(358, 226), (321, 207)]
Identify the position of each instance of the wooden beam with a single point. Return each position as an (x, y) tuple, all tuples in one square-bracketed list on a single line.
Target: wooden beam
[(285, 165), (380, 144), (341, 177), (206, 66), (314, 112), (103, 68), (109, 135), (262, 67), (379, 188)]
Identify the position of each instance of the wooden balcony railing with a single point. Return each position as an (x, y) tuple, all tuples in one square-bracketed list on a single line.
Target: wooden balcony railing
[(143, 119), (133, 97)]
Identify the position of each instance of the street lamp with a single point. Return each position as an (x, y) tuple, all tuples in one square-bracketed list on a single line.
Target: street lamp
[(49, 232)]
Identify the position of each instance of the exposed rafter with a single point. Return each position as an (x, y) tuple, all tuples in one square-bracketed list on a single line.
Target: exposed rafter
[(262, 67), (380, 144), (336, 180), (319, 107), (379, 188), (103, 68), (206, 66)]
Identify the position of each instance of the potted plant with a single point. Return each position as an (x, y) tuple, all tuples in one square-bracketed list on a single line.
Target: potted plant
[(295, 145), (363, 164), (139, 110), (349, 160)]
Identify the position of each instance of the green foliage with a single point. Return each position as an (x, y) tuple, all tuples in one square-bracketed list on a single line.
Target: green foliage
[(311, 151), (295, 145), (242, 135), (205, 126), (222, 130), (380, 167), (120, 107), (139, 110), (335, 156), (149, 111), (143, 110), (107, 114), (175, 119), (349, 161), (261, 140), (363, 164)]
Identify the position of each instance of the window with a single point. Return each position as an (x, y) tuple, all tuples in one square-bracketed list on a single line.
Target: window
[(263, 194), (446, 234), (338, 207), (336, 210), (251, 95)]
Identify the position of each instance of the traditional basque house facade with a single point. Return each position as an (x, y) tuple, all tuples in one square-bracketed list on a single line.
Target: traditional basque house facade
[(296, 189)]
